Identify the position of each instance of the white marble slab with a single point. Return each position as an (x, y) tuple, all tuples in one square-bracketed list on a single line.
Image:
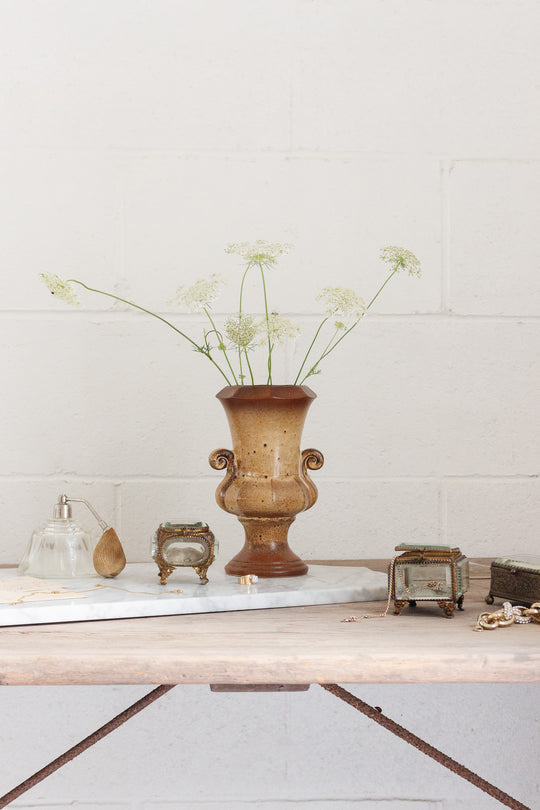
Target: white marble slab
[(137, 592)]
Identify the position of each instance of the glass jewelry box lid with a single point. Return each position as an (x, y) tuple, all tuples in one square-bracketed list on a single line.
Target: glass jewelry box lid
[(430, 550), (525, 562)]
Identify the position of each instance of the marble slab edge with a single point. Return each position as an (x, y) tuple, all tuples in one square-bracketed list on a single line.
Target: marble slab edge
[(346, 585)]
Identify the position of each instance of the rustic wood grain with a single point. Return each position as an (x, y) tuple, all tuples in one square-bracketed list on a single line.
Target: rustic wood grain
[(279, 646)]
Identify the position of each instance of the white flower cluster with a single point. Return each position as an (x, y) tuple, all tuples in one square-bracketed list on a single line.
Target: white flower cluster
[(259, 252), (278, 328), (402, 259), (342, 301), (244, 331), (201, 294), (241, 330), (62, 289)]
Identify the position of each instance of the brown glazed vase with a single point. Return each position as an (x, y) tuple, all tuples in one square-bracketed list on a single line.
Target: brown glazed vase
[(266, 484)]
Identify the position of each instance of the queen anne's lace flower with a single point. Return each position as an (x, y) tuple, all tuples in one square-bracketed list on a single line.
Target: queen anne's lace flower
[(62, 289), (342, 301), (260, 251), (201, 294), (278, 328), (241, 330), (342, 306), (402, 259)]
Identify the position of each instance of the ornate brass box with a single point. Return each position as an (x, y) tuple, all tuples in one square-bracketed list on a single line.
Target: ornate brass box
[(183, 545), (425, 573), (517, 580)]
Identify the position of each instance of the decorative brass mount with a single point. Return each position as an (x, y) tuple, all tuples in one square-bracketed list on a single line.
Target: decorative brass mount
[(199, 534)]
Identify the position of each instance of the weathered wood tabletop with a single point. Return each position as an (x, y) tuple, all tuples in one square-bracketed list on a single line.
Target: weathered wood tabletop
[(300, 645)]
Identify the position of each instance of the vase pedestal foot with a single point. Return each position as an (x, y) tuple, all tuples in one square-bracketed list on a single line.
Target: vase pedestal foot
[(239, 567), (266, 551)]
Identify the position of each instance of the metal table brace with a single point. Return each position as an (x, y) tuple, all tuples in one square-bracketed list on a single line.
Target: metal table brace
[(374, 713)]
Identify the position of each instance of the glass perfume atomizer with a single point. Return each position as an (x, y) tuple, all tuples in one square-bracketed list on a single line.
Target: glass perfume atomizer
[(61, 549)]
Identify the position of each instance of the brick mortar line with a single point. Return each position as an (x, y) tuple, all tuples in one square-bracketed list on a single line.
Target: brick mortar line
[(126, 315), (287, 152), (159, 479), (446, 167), (442, 511)]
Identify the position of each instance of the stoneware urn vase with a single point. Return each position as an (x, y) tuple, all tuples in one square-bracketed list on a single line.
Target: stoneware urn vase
[(266, 484)]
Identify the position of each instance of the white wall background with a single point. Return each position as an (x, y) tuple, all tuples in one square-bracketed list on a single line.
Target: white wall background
[(136, 139)]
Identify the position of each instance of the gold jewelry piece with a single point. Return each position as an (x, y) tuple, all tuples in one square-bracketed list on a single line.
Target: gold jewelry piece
[(248, 579), (26, 596), (507, 615)]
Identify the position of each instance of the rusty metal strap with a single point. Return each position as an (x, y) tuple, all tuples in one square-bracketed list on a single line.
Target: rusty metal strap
[(338, 691), (375, 714), (57, 763)]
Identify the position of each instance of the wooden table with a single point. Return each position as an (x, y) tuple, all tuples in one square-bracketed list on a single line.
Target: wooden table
[(302, 645), (273, 648)]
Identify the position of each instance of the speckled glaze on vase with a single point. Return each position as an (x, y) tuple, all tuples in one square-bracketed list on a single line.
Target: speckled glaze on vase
[(267, 483)]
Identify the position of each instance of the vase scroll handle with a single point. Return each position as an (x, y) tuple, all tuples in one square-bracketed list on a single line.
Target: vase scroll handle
[(219, 460), (311, 460)]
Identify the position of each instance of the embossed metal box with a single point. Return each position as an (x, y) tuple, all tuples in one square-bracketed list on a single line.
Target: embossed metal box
[(426, 573), (515, 579), (183, 545)]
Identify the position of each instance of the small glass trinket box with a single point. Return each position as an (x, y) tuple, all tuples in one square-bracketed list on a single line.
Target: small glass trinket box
[(516, 579), (426, 573), (183, 545)]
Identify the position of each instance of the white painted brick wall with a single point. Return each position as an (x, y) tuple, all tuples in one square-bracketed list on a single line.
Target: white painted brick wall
[(136, 139)]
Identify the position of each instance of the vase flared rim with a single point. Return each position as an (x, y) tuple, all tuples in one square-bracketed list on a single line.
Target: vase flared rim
[(266, 392)]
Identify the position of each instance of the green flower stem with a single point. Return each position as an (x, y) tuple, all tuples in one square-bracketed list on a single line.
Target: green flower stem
[(221, 347), (330, 348), (270, 350), (241, 370), (269, 378), (322, 323), (249, 265), (153, 314), (327, 349), (249, 367), (379, 291), (208, 350)]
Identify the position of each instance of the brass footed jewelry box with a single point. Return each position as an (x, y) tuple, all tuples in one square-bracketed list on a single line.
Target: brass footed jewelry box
[(183, 545), (426, 573), (515, 579)]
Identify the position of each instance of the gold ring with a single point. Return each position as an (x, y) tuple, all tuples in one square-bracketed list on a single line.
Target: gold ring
[(486, 623), (506, 622)]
